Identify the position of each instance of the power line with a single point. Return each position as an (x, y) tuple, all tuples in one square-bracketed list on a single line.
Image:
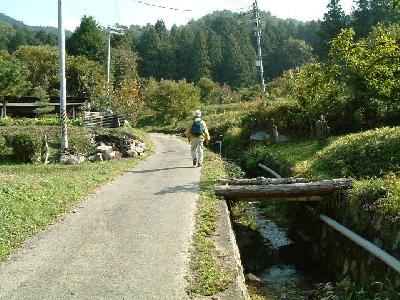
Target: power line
[(236, 6), (160, 6), (240, 3)]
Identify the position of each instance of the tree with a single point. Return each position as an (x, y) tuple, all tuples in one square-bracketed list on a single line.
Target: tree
[(148, 52), (13, 79), (184, 51), (126, 99), (173, 101), (214, 47), (208, 90), (42, 63), (45, 38), (201, 63), (237, 71), (18, 39), (89, 40), (334, 20), (124, 64), (42, 105), (85, 78), (295, 53), (370, 68), (7, 32), (368, 13)]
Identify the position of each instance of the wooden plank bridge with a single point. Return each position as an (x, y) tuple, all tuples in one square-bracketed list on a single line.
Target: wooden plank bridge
[(279, 189)]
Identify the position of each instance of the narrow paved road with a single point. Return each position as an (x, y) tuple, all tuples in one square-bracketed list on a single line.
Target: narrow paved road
[(129, 241)]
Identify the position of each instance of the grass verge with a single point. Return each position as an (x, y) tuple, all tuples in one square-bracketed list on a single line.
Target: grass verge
[(210, 275), (33, 196)]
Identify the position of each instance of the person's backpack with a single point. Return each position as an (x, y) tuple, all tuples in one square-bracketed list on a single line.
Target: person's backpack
[(197, 127)]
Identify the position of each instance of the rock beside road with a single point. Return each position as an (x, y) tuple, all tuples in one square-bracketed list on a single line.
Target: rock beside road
[(107, 152), (72, 159)]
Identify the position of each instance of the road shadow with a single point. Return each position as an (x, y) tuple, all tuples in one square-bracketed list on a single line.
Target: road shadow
[(193, 187), (158, 170)]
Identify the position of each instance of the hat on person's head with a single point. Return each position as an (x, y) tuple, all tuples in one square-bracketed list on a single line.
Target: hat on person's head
[(197, 113)]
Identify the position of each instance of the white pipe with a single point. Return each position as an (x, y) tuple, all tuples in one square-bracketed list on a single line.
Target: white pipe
[(390, 260), (272, 172)]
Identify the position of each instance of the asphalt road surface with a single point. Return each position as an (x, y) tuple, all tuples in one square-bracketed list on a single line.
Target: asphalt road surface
[(130, 240)]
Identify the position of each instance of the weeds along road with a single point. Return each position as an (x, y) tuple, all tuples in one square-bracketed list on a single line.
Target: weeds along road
[(128, 241)]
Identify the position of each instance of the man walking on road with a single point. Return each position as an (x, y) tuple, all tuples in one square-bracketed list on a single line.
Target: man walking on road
[(197, 134)]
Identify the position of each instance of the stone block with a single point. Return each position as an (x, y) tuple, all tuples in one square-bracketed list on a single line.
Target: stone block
[(96, 158), (109, 155), (104, 149), (71, 159), (132, 153)]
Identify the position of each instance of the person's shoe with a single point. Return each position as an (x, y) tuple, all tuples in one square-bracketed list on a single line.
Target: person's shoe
[(194, 162), (199, 165)]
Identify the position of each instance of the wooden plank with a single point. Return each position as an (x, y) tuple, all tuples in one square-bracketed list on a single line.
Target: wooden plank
[(315, 198), (277, 191), (261, 180), (102, 119)]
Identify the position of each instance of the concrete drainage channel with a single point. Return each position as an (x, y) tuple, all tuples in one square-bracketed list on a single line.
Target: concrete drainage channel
[(278, 266), (268, 261)]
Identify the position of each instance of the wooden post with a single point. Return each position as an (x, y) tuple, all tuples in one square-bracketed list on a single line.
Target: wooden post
[(272, 131), (274, 135), (47, 152), (321, 129), (4, 109)]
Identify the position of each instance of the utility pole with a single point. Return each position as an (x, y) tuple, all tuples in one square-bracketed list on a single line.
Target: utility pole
[(257, 28), (63, 90), (108, 54), (109, 32)]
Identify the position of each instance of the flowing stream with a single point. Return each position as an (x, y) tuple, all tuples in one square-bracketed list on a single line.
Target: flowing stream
[(276, 266)]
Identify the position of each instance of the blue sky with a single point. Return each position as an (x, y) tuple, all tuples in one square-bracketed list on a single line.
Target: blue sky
[(128, 12)]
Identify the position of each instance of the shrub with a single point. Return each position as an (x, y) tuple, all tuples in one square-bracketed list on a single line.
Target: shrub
[(173, 100), (288, 116), (43, 121), (127, 100), (360, 155), (264, 155), (3, 147), (233, 142), (25, 146), (208, 90)]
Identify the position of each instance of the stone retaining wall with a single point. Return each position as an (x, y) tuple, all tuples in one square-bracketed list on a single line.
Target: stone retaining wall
[(348, 260)]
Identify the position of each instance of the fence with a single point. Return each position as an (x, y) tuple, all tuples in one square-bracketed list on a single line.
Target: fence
[(102, 119)]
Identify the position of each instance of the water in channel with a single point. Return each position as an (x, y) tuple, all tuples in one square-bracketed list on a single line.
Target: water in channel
[(276, 267)]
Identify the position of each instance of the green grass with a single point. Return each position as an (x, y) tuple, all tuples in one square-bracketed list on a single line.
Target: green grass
[(371, 153), (287, 159), (79, 138), (377, 291), (219, 117), (43, 121), (210, 275), (370, 157), (32, 196)]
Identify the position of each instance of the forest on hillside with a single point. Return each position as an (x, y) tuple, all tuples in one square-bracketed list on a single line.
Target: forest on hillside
[(344, 66), (220, 46)]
